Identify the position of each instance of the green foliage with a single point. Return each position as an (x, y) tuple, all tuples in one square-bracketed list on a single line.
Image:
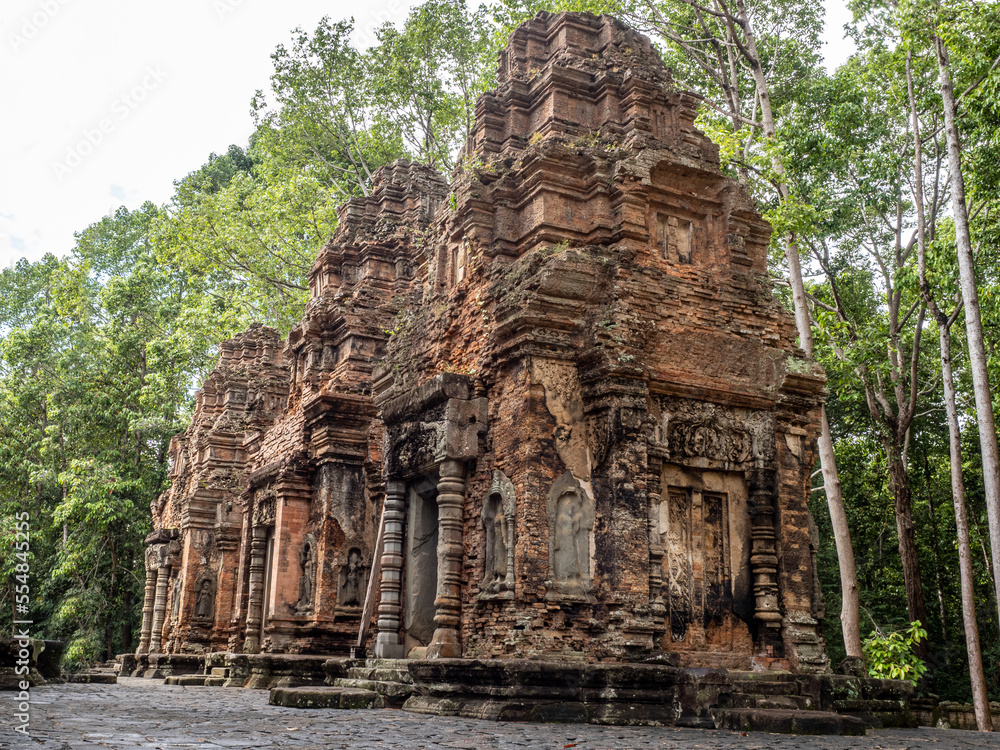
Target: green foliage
[(890, 655)]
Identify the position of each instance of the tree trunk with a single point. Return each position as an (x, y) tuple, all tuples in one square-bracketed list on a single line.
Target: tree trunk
[(935, 547), (976, 675), (850, 617), (973, 319), (977, 678), (900, 483), (850, 609)]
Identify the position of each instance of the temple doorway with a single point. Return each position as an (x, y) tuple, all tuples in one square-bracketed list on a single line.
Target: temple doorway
[(421, 565)]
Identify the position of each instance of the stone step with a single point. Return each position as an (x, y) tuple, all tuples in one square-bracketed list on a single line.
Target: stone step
[(394, 693), (325, 697), (196, 680), (186, 680), (793, 702), (765, 687), (221, 672), (94, 678), (785, 721), (380, 674)]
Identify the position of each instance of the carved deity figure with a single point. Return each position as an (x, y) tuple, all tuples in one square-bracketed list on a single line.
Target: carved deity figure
[(307, 559), (204, 602), (498, 515), (570, 510), (495, 526), (351, 594), (572, 542)]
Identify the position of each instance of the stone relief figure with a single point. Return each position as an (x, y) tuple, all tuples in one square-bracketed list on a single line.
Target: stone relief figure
[(351, 590), (498, 516), (204, 601), (564, 402), (496, 542), (571, 524), (307, 578)]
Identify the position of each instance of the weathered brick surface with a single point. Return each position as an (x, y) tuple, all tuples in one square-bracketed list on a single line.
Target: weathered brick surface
[(568, 375)]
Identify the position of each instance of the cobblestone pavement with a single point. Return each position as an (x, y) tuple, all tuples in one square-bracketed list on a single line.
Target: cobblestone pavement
[(146, 714)]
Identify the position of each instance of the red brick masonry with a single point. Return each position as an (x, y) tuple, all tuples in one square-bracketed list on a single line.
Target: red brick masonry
[(550, 410)]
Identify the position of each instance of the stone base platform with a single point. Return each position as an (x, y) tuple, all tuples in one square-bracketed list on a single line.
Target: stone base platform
[(788, 722), (656, 695), (221, 669), (159, 666), (638, 694)]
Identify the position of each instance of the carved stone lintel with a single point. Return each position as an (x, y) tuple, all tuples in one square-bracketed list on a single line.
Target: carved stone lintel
[(387, 644), (448, 604), (707, 434)]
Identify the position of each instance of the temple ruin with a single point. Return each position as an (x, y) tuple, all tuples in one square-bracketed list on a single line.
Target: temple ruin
[(551, 411)]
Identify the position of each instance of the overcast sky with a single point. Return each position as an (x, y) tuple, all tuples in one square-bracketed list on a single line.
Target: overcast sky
[(106, 102)]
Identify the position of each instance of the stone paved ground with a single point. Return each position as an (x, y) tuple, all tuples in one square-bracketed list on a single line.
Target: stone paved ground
[(146, 714)]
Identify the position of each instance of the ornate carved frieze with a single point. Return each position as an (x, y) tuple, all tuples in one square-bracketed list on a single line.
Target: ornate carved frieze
[(703, 433), (264, 508)]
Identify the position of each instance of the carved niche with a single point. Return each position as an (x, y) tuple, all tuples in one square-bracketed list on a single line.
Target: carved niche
[(570, 511), (353, 581), (204, 599), (307, 576), (498, 516)]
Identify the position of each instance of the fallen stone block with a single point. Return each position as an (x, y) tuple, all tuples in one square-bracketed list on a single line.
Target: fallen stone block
[(325, 697)]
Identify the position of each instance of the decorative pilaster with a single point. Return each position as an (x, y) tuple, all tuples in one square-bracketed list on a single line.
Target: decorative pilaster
[(764, 555), (255, 608), (159, 608), (448, 604), (147, 609), (656, 551), (387, 645)]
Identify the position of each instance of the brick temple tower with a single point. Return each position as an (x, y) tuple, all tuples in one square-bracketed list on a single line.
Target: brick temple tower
[(550, 411)]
